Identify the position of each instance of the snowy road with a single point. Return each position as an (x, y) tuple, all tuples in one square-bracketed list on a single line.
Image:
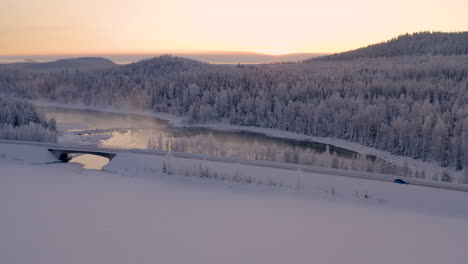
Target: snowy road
[(269, 164)]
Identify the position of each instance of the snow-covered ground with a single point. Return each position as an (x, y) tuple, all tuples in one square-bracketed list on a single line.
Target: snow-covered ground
[(432, 168), (62, 213)]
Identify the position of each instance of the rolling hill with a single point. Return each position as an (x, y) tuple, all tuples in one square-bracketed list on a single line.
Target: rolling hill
[(417, 44), (83, 64)]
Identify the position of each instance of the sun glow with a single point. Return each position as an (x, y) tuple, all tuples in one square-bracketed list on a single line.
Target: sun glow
[(265, 26), (275, 52)]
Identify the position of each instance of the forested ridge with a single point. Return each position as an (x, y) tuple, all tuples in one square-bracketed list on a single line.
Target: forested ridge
[(415, 106), (416, 44), (85, 64)]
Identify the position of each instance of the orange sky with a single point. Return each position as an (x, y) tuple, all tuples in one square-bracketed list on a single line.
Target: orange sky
[(269, 26)]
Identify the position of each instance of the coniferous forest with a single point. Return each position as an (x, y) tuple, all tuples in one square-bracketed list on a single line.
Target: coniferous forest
[(20, 120), (408, 96)]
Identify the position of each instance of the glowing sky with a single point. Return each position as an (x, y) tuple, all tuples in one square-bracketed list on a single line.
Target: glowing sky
[(270, 26)]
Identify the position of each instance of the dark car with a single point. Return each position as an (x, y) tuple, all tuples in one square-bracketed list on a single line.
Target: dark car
[(400, 181)]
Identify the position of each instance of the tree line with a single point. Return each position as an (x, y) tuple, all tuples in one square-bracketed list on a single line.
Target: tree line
[(416, 44), (414, 106), (20, 120)]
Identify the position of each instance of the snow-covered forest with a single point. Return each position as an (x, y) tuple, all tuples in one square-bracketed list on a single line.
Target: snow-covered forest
[(414, 105), (416, 44), (19, 120)]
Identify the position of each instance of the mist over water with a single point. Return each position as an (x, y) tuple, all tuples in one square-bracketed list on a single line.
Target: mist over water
[(117, 130)]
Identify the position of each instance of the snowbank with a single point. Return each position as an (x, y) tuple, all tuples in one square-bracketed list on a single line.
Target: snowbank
[(217, 213), (323, 186), (56, 213), (26, 153)]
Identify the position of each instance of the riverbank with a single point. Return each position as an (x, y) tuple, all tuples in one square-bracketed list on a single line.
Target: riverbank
[(430, 169)]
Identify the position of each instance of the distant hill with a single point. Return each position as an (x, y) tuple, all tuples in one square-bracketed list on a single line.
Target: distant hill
[(164, 64), (219, 57), (417, 44), (214, 57), (246, 57), (83, 64)]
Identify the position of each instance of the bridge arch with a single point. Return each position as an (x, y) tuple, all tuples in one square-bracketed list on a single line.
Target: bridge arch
[(63, 154)]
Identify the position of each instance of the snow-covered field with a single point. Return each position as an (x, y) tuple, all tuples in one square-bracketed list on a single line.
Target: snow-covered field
[(62, 213)]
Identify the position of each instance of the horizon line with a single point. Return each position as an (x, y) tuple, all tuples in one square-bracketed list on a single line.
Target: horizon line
[(165, 53)]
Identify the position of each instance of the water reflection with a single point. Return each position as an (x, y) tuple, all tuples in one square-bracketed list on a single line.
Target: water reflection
[(144, 132), (90, 161)]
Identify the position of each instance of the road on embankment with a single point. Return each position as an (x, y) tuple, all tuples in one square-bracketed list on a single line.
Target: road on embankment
[(270, 164)]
